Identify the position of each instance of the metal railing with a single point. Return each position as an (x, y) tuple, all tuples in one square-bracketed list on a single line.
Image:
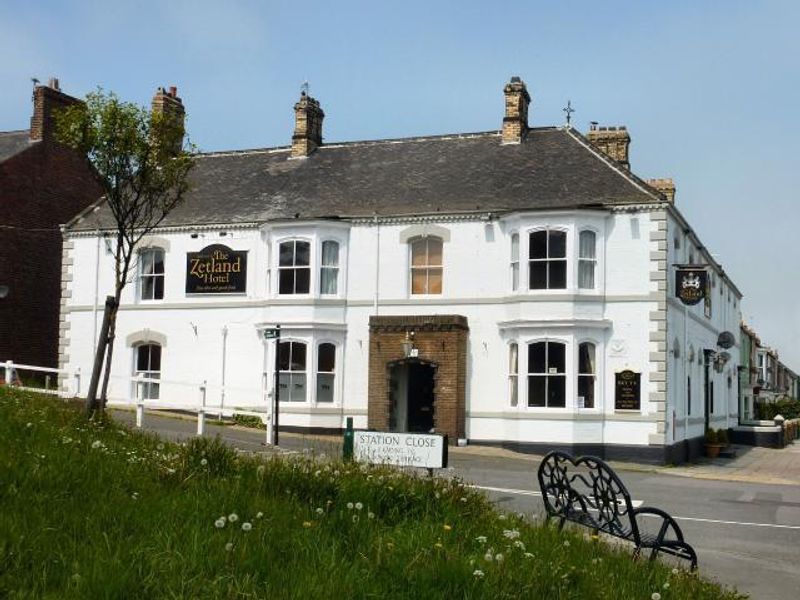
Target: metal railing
[(140, 396)]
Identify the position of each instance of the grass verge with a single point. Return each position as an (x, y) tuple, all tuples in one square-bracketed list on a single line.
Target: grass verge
[(95, 510)]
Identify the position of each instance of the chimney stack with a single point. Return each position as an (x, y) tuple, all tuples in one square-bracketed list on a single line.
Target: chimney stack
[(611, 141), (46, 99), (167, 103), (515, 121), (665, 186), (308, 118)]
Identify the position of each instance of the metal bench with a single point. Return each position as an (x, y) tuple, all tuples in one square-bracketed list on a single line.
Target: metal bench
[(588, 492)]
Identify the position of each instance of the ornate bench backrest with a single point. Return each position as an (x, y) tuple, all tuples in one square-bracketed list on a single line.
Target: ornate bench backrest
[(588, 490)]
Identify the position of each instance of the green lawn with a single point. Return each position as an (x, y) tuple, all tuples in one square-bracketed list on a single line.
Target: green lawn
[(100, 511)]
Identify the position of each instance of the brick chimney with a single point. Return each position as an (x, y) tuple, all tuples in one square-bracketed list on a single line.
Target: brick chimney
[(611, 141), (515, 121), (308, 118), (665, 186), (47, 99), (167, 102)]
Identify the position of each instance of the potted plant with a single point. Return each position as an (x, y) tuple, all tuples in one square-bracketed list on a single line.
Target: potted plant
[(712, 443), (722, 438)]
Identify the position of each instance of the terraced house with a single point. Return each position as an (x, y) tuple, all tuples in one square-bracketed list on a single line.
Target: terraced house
[(511, 287)]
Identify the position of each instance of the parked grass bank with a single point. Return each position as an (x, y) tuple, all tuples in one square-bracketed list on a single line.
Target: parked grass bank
[(99, 511)]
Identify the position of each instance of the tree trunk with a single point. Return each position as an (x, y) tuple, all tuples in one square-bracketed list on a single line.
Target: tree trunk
[(102, 342), (110, 354)]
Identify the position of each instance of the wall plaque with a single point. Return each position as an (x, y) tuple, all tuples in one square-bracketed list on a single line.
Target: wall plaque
[(627, 390), (690, 285), (216, 269)]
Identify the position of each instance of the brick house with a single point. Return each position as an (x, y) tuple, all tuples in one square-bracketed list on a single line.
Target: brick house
[(42, 186)]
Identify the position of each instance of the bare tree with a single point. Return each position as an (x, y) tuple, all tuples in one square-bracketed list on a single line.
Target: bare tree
[(142, 164)]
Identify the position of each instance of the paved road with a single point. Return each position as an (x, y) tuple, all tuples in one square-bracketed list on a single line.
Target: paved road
[(746, 534)]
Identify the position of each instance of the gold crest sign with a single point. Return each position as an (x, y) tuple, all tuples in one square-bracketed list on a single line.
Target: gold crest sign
[(690, 285)]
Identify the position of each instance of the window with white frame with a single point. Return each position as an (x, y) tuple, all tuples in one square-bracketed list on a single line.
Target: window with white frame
[(587, 259), (587, 373), (292, 370), (547, 382), (329, 268), (326, 372), (547, 255), (151, 274), (426, 265), (147, 364), (514, 261), (513, 373), (294, 267)]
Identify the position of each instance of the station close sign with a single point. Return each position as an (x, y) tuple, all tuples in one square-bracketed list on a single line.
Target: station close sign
[(216, 269), (428, 451)]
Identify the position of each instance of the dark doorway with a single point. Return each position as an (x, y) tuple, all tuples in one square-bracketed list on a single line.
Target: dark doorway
[(412, 397)]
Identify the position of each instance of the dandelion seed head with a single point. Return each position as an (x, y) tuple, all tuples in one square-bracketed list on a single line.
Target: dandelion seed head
[(319, 510), (229, 546), (371, 515), (233, 517), (481, 539), (478, 574), (247, 526), (219, 523), (359, 506), (349, 506), (488, 557), (259, 514), (204, 462), (499, 557), (655, 596)]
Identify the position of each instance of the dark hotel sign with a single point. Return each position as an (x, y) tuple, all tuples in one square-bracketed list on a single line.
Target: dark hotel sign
[(627, 390), (690, 285), (216, 269)]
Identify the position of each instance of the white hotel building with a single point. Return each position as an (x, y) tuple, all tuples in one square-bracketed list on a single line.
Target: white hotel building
[(512, 287)]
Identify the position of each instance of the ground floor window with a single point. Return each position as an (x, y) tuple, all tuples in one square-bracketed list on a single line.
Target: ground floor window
[(513, 372), (326, 372), (547, 375), (292, 369), (148, 365), (586, 375)]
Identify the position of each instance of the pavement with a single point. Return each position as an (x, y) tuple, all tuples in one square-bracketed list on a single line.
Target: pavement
[(742, 515)]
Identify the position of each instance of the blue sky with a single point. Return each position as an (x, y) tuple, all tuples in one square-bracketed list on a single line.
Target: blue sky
[(708, 91)]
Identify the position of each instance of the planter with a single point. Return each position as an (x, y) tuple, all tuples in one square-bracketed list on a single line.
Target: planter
[(712, 450)]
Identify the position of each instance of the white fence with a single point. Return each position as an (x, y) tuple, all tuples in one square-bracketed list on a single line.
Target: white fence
[(161, 394)]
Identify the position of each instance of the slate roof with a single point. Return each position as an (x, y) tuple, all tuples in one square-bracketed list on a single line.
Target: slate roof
[(13, 142), (554, 168)]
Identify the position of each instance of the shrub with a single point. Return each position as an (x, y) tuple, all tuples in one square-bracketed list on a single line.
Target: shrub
[(711, 436), (722, 437)]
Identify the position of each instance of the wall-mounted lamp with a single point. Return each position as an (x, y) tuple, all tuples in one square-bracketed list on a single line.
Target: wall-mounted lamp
[(409, 349)]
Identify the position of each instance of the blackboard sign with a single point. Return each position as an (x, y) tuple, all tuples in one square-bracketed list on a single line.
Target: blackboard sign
[(216, 269), (690, 285), (628, 390)]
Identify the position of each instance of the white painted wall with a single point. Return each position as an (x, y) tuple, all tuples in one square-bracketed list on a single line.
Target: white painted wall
[(477, 284)]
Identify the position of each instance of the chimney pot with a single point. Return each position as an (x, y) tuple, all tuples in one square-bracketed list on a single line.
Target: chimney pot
[(168, 104), (308, 118), (515, 121), (173, 91), (53, 83), (46, 99), (611, 141)]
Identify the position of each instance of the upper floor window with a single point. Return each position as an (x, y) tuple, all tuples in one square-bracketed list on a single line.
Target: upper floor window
[(547, 385), (515, 262), (587, 370), (147, 363), (329, 268), (513, 372), (292, 369), (294, 267), (548, 260), (326, 372), (151, 274), (426, 265), (587, 259)]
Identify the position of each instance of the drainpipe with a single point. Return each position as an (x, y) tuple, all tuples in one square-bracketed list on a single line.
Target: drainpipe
[(686, 391), (224, 356), (377, 263), (96, 293)]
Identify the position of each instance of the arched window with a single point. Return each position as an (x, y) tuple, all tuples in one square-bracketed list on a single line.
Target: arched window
[(515, 261), (294, 267), (548, 260), (329, 268), (547, 386), (326, 372), (151, 274), (292, 368), (587, 372), (587, 259), (513, 373), (147, 363), (426, 265)]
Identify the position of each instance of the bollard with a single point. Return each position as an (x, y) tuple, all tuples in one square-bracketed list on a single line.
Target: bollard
[(201, 422), (140, 414), (347, 446), (9, 372)]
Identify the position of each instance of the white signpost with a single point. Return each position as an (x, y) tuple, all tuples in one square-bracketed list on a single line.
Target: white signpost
[(424, 450)]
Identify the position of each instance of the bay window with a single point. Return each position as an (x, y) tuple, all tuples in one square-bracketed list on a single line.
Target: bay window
[(587, 371), (587, 259), (326, 367), (292, 370), (294, 267), (547, 374), (547, 253), (329, 268)]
